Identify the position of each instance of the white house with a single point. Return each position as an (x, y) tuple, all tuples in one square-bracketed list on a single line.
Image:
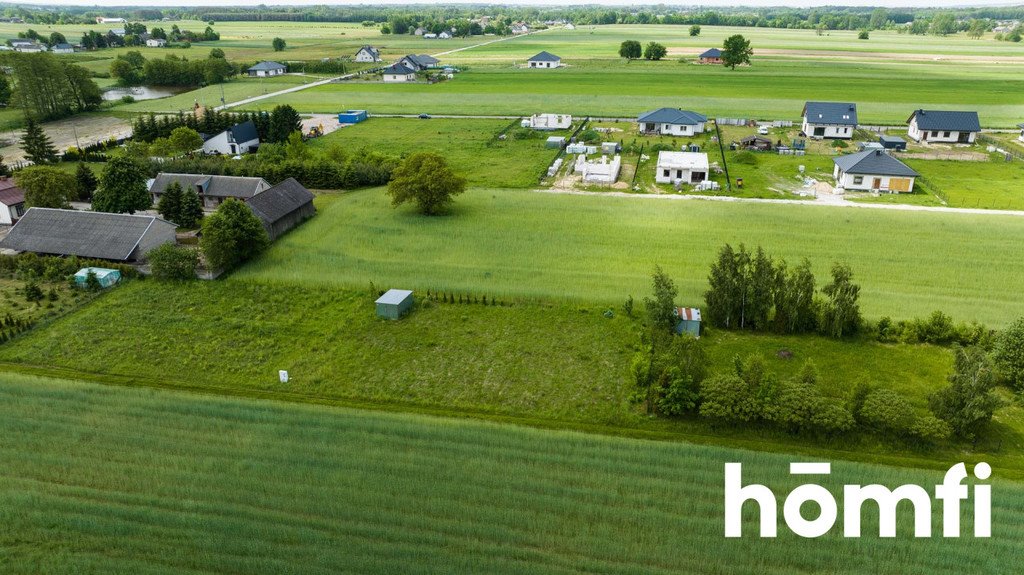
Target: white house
[(943, 127), (671, 122), (430, 36), (548, 122), (12, 201), (545, 60), (267, 68), (28, 46), (399, 73), (419, 62), (519, 28), (873, 170), (105, 20), (598, 171), (63, 48), (444, 35), (238, 139), (367, 54), (681, 167), (834, 120), (156, 43)]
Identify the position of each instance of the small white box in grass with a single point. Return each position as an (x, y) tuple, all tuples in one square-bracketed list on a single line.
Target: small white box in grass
[(283, 374)]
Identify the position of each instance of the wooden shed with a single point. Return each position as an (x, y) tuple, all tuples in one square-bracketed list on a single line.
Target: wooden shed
[(394, 303), (689, 321)]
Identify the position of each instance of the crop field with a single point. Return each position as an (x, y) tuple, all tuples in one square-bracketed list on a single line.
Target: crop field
[(601, 248), (213, 484)]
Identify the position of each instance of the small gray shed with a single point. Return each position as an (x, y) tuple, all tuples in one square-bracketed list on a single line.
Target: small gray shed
[(394, 303), (892, 142), (555, 142)]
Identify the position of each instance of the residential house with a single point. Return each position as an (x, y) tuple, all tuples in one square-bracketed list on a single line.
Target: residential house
[(282, 207), (12, 201), (545, 60), (367, 54), (267, 68), (943, 127), (156, 43), (105, 20), (833, 120), (99, 235), (671, 122), (238, 139), (419, 62), (548, 122), (598, 171), (212, 190), (419, 31), (519, 28), (28, 46), (63, 48), (712, 56), (681, 168), (873, 170), (399, 73)]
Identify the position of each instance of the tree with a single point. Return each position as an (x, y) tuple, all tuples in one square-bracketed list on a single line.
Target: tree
[(278, 44), (50, 88), (1009, 355), (661, 307), (57, 38), (695, 30), (654, 51), (122, 186), (969, 402), (863, 35), (37, 145), (190, 212), (283, 121), (185, 140), (85, 182), (795, 310), (841, 312), (5, 91), (425, 179), (170, 262), (169, 205), (977, 29), (217, 53), (631, 50), (46, 187), (232, 235), (295, 148), (5, 170), (736, 51), (879, 17), (943, 24)]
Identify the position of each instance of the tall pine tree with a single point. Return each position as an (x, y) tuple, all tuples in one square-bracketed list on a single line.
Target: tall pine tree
[(37, 145), (190, 211), (169, 205), (85, 182)]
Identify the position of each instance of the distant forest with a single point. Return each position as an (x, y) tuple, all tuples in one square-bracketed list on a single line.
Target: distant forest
[(821, 18)]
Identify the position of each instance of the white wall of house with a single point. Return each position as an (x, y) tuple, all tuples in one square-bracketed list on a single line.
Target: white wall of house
[(832, 131), (937, 136), (365, 56), (261, 73), (10, 213), (672, 129), (545, 64), (392, 78), (598, 171), (156, 43), (666, 174), (872, 182)]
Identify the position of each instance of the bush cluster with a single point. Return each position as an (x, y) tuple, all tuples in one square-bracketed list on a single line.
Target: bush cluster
[(938, 329), (54, 268)]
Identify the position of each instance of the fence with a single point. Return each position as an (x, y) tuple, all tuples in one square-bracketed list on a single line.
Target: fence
[(561, 150), (1001, 146)]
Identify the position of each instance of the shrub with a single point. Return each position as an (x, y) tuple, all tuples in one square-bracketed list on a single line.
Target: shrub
[(1009, 355), (173, 263), (745, 157)]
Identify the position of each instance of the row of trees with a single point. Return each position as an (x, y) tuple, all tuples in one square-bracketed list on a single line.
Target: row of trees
[(274, 127), (133, 36), (133, 69), (49, 88), (753, 291)]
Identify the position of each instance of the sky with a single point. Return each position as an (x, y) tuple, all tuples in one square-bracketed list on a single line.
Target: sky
[(791, 3)]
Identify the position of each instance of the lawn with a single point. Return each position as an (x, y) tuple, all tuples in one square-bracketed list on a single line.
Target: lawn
[(469, 145), (110, 480), (593, 248), (995, 184)]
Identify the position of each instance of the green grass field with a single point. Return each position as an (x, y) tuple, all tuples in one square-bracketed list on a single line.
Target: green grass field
[(995, 184), (109, 480), (594, 248)]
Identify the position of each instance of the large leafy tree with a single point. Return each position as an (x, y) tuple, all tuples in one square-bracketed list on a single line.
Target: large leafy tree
[(37, 145), (232, 235), (841, 311), (283, 121), (278, 44), (122, 186), (184, 140), (49, 88), (631, 50), (970, 400), (661, 306), (1009, 355), (46, 187), (655, 51), (736, 51), (426, 180)]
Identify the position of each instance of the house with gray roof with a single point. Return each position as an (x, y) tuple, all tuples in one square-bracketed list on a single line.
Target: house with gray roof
[(943, 126), (399, 73), (12, 201), (544, 60), (712, 56), (671, 122), (873, 170), (98, 235), (238, 139), (212, 190), (367, 54), (833, 120), (419, 62), (282, 207), (267, 68)]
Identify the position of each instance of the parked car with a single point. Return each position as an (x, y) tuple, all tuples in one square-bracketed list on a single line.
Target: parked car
[(763, 130), (424, 116)]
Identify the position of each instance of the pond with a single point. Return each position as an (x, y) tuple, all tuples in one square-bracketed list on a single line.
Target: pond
[(142, 92)]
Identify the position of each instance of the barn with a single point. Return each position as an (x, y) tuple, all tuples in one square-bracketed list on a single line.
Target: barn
[(99, 235), (282, 207), (394, 303)]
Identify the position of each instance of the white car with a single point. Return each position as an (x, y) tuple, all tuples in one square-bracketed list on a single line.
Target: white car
[(763, 130)]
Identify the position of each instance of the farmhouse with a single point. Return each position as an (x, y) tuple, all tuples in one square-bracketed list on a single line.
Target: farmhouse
[(599, 171), (419, 62), (548, 122), (545, 60), (63, 48), (267, 68), (156, 43), (671, 122), (712, 56), (835, 120), (282, 207), (444, 36), (681, 167), (689, 321), (238, 139), (399, 73), (943, 127), (367, 54), (12, 201), (394, 303), (212, 190), (519, 28), (873, 170), (115, 237)]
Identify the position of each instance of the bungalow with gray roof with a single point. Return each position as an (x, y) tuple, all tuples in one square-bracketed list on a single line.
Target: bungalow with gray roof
[(267, 68), (873, 170), (419, 62), (834, 120), (943, 127), (367, 54), (99, 235), (399, 72), (671, 122), (712, 56), (544, 60)]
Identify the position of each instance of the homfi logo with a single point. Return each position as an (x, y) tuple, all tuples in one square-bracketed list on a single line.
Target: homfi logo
[(950, 492)]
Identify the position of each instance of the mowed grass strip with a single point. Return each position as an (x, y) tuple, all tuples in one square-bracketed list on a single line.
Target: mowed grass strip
[(113, 480), (597, 248)]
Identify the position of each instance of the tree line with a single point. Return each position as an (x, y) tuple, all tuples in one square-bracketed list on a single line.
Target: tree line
[(49, 88), (133, 69)]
